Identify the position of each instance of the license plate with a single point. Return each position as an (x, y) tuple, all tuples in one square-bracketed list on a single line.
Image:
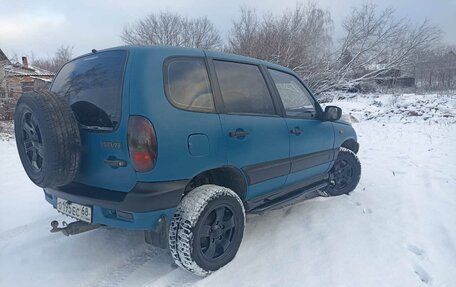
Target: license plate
[(75, 210)]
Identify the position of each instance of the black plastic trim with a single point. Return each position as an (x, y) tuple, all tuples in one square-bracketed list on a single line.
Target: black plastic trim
[(268, 170), (275, 94), (355, 147), (144, 197), (299, 163), (296, 196), (284, 193), (159, 235)]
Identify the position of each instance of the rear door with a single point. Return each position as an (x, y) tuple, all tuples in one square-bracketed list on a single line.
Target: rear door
[(256, 137), (94, 87), (311, 139)]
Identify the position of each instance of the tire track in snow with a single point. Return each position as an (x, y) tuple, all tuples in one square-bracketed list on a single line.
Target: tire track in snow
[(114, 274), (137, 269), (17, 231)]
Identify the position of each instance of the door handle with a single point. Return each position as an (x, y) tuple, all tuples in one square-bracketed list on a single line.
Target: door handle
[(296, 131), (113, 162), (239, 133)]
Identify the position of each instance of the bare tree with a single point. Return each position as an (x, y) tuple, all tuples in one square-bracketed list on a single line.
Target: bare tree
[(435, 69), (298, 39), (61, 56), (2, 81), (375, 45), (167, 28), (245, 34)]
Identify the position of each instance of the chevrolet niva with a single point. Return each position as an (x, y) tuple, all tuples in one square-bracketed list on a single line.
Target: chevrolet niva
[(180, 143)]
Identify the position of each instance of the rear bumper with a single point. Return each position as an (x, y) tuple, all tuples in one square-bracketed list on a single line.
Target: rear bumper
[(138, 209), (144, 197)]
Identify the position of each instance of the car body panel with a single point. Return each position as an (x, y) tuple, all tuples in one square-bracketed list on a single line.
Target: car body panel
[(316, 136), (267, 141), (190, 143), (342, 133), (99, 146), (148, 99)]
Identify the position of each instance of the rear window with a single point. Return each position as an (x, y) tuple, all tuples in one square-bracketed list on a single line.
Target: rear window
[(188, 85), (92, 85)]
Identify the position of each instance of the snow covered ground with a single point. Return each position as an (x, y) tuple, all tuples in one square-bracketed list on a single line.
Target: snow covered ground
[(398, 228)]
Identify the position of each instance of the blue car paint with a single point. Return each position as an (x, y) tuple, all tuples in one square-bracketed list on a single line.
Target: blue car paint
[(343, 132), (94, 171), (148, 99), (198, 145), (178, 157), (267, 141), (316, 136)]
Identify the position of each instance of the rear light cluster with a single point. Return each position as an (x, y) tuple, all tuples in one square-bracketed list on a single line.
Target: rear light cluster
[(142, 143)]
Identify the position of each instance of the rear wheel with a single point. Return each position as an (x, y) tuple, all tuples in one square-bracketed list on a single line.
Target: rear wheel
[(207, 228), (345, 173)]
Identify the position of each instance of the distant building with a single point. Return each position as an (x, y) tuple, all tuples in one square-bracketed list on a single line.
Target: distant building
[(16, 79), (392, 78)]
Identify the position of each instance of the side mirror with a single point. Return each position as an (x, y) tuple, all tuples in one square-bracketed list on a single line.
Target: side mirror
[(332, 113)]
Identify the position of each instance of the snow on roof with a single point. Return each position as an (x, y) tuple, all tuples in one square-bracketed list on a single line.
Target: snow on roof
[(41, 71), (47, 80), (20, 70), (3, 57)]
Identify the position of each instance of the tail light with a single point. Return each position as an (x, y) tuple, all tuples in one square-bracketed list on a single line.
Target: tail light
[(142, 143)]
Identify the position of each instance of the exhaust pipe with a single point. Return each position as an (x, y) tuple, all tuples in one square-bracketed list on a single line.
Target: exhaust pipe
[(73, 228)]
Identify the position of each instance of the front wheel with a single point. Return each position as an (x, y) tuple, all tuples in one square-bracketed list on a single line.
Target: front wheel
[(345, 173), (207, 228)]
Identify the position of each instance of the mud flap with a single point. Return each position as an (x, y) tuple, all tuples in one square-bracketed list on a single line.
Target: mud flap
[(159, 236)]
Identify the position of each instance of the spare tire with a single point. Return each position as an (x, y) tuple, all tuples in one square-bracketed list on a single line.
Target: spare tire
[(47, 138)]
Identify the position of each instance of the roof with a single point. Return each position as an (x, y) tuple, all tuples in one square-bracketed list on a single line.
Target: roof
[(168, 51), (3, 57), (20, 70)]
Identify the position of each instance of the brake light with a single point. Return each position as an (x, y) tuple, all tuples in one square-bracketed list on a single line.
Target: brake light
[(142, 143)]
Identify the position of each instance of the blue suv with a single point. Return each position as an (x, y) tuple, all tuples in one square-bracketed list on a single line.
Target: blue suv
[(180, 143)]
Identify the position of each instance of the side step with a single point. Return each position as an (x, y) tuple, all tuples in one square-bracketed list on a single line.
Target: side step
[(292, 197)]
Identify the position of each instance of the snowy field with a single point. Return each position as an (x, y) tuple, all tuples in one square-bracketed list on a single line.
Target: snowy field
[(398, 228)]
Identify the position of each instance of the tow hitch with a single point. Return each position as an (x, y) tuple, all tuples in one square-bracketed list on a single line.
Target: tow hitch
[(73, 228)]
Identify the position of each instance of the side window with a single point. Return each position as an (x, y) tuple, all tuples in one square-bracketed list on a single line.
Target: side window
[(243, 89), (188, 86), (295, 97)]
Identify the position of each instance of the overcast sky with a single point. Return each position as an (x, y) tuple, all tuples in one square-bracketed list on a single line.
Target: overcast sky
[(42, 26)]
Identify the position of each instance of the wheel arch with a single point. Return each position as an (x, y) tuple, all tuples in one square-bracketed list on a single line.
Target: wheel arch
[(226, 176), (351, 144)]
